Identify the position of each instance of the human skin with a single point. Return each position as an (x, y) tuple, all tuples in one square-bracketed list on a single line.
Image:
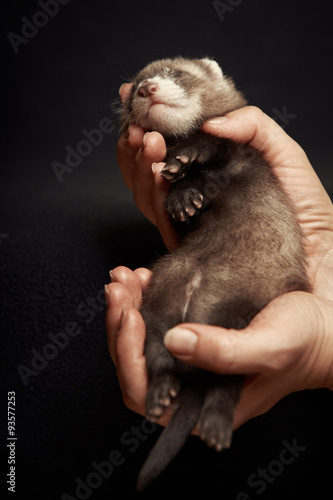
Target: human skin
[(288, 346)]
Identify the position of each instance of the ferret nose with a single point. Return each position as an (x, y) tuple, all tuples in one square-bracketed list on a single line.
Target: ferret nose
[(147, 89)]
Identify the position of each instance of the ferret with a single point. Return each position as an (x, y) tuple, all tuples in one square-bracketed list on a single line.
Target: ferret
[(241, 246)]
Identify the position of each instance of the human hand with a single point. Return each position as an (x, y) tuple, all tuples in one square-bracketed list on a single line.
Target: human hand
[(126, 333), (140, 157), (287, 347), (290, 164), (292, 332)]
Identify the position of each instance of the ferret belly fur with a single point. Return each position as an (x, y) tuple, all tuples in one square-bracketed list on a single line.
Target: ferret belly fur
[(241, 246)]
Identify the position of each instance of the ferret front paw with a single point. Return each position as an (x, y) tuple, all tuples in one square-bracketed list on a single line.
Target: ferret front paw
[(215, 428), (175, 168), (177, 164), (161, 391), (184, 201)]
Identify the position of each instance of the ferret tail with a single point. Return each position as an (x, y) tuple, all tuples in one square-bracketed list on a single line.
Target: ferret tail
[(173, 436)]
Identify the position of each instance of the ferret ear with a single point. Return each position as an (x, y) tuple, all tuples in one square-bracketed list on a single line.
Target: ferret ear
[(214, 67)]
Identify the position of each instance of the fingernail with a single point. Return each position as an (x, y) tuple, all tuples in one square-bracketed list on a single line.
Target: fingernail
[(107, 295), (180, 341), (218, 120), (123, 318), (144, 138), (111, 276), (157, 167)]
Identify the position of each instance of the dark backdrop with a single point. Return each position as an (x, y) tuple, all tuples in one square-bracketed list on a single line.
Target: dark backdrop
[(58, 240)]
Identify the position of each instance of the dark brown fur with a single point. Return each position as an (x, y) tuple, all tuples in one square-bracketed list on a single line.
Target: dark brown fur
[(241, 248)]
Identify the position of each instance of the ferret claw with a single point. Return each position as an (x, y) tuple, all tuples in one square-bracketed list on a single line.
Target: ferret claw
[(190, 211), (173, 392), (173, 171), (173, 168), (155, 413), (197, 201), (185, 204), (183, 159), (215, 430), (179, 216), (160, 394), (165, 401), (167, 175)]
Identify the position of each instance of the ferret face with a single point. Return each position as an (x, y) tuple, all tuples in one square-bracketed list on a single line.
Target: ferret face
[(174, 96)]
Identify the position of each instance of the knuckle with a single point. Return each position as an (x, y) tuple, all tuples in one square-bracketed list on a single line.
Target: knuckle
[(132, 404), (118, 294), (224, 354), (255, 113), (121, 273), (283, 358)]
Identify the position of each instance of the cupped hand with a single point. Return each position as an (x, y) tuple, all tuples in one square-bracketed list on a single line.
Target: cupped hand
[(288, 346)]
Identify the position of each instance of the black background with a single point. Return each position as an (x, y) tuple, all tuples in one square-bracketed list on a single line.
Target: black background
[(59, 239)]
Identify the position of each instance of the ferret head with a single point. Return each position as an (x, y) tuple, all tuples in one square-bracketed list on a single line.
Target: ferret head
[(174, 96)]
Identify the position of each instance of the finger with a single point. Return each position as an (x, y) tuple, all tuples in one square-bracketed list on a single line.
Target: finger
[(251, 126), (125, 92), (143, 276), (117, 297), (217, 349), (127, 148), (130, 280), (131, 362), (154, 150), (274, 340)]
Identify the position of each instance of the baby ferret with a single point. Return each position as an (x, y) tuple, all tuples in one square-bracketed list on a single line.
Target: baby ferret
[(241, 246)]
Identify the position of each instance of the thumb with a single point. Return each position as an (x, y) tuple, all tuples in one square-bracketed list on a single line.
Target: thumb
[(272, 341), (217, 349)]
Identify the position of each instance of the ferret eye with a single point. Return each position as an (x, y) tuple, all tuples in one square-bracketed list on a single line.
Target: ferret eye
[(168, 71)]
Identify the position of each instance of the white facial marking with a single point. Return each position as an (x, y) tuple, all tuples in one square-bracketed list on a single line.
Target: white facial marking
[(172, 107), (168, 108)]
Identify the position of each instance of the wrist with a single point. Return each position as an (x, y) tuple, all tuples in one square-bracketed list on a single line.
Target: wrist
[(324, 341)]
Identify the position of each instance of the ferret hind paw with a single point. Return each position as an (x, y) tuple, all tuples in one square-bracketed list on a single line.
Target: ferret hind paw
[(215, 430), (184, 201), (161, 392)]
